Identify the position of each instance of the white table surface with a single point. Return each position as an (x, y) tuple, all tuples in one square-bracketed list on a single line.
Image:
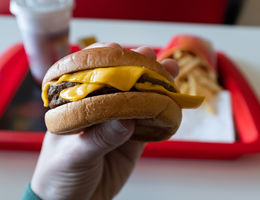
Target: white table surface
[(158, 178)]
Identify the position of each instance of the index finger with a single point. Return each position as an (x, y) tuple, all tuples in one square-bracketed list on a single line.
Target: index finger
[(169, 64)]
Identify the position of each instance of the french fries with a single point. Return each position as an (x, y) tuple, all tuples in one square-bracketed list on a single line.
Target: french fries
[(86, 41), (196, 78)]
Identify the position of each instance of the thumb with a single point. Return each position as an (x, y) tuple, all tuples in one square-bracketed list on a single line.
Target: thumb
[(109, 135)]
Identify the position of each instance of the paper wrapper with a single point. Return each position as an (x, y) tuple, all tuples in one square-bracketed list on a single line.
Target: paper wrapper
[(198, 125)]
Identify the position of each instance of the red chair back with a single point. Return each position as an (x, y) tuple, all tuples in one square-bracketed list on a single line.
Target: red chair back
[(200, 11)]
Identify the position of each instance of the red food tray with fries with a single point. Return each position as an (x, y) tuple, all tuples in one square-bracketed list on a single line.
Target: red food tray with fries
[(246, 112)]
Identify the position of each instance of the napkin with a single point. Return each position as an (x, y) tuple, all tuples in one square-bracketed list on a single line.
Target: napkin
[(200, 125)]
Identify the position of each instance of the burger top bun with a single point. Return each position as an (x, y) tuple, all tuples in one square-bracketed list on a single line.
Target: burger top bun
[(101, 57)]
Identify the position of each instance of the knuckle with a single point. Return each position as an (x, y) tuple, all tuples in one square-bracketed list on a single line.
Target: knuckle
[(99, 139)]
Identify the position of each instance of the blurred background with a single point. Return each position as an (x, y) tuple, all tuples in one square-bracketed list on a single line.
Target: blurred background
[(239, 12), (189, 178)]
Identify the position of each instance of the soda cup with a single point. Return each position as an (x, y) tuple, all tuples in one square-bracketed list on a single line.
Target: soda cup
[(44, 25)]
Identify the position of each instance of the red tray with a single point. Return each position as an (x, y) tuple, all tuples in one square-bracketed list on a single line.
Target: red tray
[(245, 105)]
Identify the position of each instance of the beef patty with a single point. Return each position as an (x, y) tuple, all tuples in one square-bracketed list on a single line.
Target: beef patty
[(54, 90)]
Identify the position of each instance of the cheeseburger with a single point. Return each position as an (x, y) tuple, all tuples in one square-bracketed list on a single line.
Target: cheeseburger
[(95, 85)]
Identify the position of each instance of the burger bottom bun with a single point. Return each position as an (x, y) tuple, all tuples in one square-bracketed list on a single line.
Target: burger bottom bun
[(157, 116)]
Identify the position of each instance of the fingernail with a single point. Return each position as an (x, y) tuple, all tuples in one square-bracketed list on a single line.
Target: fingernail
[(119, 127)]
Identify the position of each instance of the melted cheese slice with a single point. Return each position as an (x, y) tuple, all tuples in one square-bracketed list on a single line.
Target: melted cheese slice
[(183, 100), (122, 78), (79, 91)]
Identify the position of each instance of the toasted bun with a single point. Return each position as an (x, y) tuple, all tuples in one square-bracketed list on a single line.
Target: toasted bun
[(157, 116)]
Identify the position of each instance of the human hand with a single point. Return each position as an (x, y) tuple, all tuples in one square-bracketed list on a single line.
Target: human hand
[(93, 164)]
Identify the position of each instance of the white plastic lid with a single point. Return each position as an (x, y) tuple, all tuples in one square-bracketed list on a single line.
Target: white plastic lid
[(39, 6)]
